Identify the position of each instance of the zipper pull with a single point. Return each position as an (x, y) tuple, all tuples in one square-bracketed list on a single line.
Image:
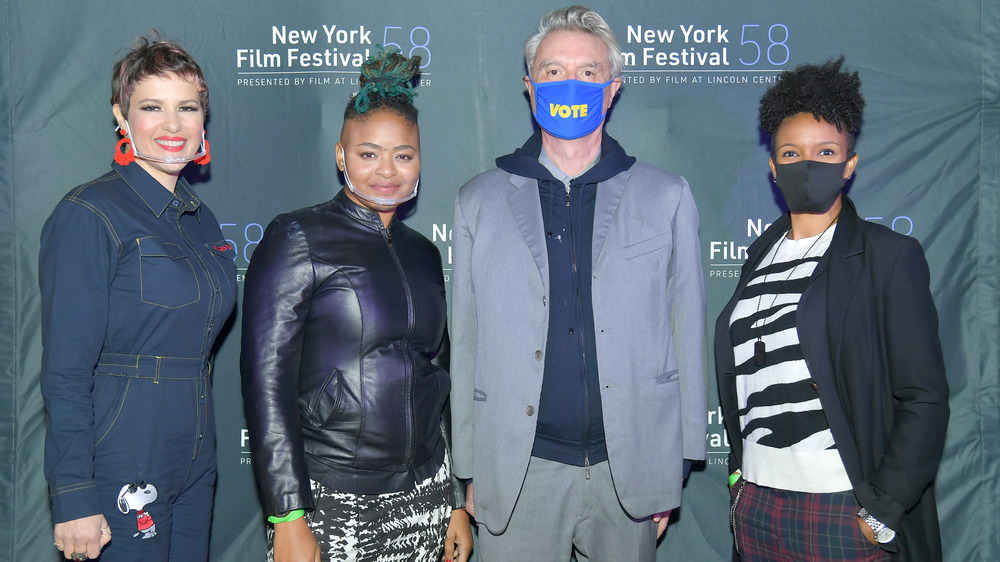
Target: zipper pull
[(586, 466), (567, 203)]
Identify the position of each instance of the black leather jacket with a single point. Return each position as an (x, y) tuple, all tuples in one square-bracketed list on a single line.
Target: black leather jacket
[(344, 355)]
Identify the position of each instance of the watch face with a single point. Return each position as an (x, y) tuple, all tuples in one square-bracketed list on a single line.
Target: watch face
[(885, 535)]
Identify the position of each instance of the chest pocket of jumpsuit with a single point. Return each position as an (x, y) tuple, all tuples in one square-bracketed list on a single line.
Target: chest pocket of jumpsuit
[(225, 255), (166, 274)]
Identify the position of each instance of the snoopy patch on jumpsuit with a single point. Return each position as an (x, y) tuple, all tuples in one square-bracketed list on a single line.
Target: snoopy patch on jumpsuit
[(138, 496)]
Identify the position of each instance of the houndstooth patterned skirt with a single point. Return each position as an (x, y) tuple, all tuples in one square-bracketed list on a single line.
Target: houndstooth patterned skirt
[(398, 527)]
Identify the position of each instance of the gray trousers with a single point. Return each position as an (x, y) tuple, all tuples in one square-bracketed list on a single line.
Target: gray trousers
[(561, 511)]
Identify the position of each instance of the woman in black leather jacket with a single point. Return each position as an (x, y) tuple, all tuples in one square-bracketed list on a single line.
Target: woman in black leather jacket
[(345, 354)]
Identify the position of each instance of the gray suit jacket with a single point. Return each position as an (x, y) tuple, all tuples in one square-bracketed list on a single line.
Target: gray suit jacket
[(649, 319)]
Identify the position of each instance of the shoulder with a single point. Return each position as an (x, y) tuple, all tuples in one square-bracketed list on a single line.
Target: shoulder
[(650, 181), (98, 193), (646, 171), (484, 184), (420, 242), (290, 229), (91, 203), (649, 187), (883, 242), (306, 219), (879, 234), (412, 234), (284, 245), (888, 250)]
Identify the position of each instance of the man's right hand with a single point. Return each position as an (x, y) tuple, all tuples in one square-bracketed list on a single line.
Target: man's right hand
[(294, 542)]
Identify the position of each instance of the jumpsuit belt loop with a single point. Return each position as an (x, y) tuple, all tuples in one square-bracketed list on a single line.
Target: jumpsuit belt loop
[(152, 367)]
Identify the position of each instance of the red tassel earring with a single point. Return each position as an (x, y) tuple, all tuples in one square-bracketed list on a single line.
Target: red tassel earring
[(128, 156), (205, 158)]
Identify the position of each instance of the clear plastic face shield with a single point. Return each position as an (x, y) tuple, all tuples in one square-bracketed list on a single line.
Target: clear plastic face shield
[(202, 150), (381, 201)]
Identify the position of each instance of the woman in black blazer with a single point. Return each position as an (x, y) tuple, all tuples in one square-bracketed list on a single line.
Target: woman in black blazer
[(829, 366)]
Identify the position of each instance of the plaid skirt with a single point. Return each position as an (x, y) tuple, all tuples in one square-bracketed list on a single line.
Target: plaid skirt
[(781, 525)]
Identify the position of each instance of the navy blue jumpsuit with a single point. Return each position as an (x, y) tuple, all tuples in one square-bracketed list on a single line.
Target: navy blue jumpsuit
[(136, 284)]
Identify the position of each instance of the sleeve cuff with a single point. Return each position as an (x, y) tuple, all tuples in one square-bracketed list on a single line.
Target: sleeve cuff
[(74, 502)]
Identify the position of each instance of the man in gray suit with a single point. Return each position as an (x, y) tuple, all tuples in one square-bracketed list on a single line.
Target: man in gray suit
[(578, 323)]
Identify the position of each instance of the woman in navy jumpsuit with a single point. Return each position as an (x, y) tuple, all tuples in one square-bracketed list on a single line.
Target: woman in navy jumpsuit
[(137, 281)]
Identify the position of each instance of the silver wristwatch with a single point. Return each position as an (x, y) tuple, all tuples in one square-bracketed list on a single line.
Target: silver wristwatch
[(883, 534)]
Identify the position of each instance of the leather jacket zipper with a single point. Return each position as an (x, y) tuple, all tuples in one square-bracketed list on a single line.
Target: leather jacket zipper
[(410, 328)]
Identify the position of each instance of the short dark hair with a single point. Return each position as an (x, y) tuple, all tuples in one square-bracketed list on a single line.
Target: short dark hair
[(154, 56), (824, 90), (386, 84)]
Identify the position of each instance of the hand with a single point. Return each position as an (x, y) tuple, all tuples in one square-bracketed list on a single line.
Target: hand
[(470, 505), (85, 535), (458, 541), (661, 519), (294, 542), (867, 531)]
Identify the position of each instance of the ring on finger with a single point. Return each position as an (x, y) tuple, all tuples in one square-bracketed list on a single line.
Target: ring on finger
[(79, 556)]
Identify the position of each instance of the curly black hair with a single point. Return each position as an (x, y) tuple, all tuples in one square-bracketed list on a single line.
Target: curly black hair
[(826, 91), (386, 84)]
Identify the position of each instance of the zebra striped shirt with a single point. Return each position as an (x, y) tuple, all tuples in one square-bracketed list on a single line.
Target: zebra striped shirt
[(787, 443)]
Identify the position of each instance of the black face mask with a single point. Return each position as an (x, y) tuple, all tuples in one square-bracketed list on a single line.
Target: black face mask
[(810, 186)]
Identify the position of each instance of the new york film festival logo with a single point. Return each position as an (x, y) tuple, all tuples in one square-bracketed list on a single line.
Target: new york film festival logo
[(716, 439), (245, 458), (690, 54), (329, 54)]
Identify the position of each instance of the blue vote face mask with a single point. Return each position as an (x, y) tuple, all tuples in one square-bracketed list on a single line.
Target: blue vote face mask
[(569, 109)]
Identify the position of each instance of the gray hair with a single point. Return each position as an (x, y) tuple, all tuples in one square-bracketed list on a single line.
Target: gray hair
[(576, 18)]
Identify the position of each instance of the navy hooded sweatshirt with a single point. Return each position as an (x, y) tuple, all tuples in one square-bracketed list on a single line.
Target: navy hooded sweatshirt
[(570, 426)]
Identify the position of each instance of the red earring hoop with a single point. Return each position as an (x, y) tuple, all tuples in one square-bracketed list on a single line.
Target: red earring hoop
[(127, 156), (202, 160)]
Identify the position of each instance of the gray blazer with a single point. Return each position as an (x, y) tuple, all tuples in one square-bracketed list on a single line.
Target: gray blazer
[(649, 320)]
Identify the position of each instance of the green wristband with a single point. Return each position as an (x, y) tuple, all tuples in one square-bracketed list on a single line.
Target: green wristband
[(290, 516), (733, 478)]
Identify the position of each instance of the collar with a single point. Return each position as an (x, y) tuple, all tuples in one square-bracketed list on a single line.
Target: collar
[(849, 241), (156, 197), (525, 161), (544, 160), (360, 213), (845, 237)]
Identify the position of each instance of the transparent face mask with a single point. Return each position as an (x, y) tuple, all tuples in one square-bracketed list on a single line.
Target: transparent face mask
[(202, 150), (381, 201)]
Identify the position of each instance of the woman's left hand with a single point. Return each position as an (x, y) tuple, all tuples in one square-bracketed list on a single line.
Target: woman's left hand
[(458, 541)]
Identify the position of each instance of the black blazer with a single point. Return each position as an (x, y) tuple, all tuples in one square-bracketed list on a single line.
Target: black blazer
[(869, 333)]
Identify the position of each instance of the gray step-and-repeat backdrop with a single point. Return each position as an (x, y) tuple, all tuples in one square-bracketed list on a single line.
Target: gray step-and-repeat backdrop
[(281, 72)]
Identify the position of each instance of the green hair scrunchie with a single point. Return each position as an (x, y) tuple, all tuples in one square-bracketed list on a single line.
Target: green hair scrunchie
[(387, 73)]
